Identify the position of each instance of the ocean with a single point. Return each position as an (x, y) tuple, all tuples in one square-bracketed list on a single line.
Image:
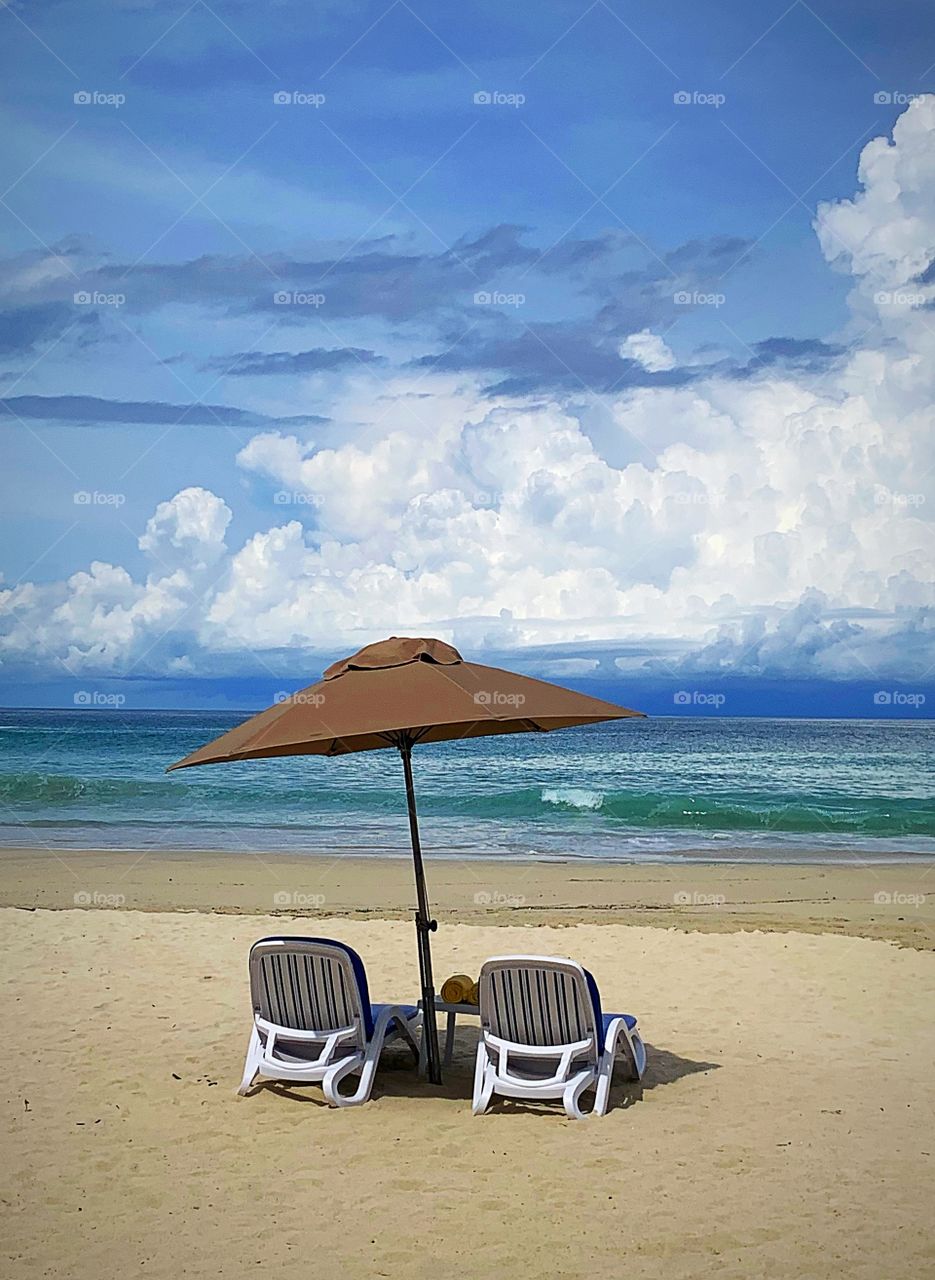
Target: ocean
[(637, 790)]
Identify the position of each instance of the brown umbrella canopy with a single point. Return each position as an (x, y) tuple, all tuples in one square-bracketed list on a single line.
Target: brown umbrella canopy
[(397, 693), (418, 690)]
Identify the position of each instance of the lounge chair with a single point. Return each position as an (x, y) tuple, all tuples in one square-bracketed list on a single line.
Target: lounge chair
[(313, 1020), (544, 1035)]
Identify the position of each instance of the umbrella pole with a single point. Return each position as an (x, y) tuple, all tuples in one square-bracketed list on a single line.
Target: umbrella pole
[(424, 926)]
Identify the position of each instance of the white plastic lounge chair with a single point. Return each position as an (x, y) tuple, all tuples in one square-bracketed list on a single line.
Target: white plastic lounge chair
[(543, 1034), (313, 1019)]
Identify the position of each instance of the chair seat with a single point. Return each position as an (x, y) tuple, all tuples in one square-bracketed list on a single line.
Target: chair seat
[(608, 1018), (410, 1010)]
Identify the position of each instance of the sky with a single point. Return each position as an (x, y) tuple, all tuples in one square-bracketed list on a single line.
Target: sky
[(596, 340)]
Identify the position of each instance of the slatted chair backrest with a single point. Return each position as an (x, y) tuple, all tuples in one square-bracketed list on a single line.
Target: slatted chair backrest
[(537, 1000), (309, 984)]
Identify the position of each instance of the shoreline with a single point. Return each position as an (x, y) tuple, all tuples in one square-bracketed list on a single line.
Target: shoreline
[(768, 856), (890, 902)]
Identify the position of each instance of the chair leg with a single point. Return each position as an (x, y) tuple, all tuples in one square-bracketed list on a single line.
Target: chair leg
[(254, 1054), (406, 1032), (634, 1053), (483, 1081), (605, 1075), (367, 1066), (639, 1054), (573, 1091)]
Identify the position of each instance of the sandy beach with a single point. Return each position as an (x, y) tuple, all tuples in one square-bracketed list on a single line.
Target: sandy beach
[(783, 1126), (895, 902), (468, 507)]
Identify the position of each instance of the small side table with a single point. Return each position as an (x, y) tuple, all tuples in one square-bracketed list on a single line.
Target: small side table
[(452, 1010)]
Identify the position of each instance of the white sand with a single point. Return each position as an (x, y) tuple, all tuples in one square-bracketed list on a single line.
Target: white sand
[(784, 1127)]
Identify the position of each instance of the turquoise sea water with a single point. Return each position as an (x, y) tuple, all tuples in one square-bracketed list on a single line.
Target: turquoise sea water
[(635, 790)]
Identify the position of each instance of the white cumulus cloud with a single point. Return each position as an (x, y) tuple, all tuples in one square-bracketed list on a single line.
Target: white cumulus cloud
[(649, 350), (777, 523)]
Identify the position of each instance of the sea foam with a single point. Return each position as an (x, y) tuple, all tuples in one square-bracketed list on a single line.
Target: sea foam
[(573, 797)]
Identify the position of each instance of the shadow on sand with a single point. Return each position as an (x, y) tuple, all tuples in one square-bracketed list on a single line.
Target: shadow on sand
[(397, 1079)]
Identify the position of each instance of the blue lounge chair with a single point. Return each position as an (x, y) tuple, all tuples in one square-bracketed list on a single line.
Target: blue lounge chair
[(313, 1020), (544, 1034)]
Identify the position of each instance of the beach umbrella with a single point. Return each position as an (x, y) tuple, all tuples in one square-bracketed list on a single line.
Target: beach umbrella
[(399, 693)]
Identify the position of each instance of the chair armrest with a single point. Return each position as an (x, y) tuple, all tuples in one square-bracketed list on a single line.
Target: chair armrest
[(562, 1054), (390, 1011), (293, 1033), (328, 1040)]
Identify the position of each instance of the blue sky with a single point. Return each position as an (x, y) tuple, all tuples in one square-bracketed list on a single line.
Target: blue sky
[(574, 334)]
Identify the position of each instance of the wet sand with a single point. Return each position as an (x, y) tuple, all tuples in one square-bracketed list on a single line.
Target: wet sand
[(893, 902)]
